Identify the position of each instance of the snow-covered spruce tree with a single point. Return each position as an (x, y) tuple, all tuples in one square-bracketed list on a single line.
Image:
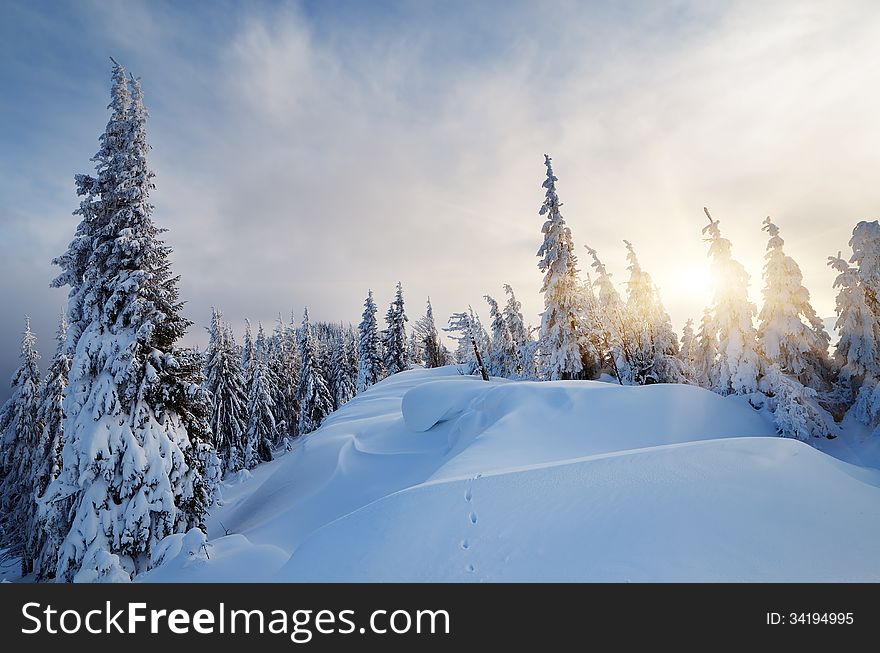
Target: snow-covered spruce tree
[(201, 457), (612, 330), (126, 446), (790, 332), (858, 326), (706, 353), (284, 374), (738, 364), (670, 368), (261, 420), (523, 344), (351, 352), (415, 351), (502, 359), (470, 336), (20, 442), (394, 335), (639, 315), (425, 331), (858, 350), (47, 462), (291, 370), (315, 400), (688, 350), (227, 394), (369, 348), (561, 355), (342, 385), (247, 346), (795, 408), (865, 243), (653, 344)]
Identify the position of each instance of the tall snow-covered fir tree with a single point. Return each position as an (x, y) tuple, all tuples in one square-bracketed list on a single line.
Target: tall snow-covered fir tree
[(261, 420), (688, 349), (472, 341), (865, 243), (342, 379), (21, 435), (523, 344), (227, 394), (425, 331), (738, 365), (283, 360), (790, 332), (47, 463), (129, 464), (247, 346), (858, 348), (706, 352), (858, 325), (315, 400), (501, 358), (561, 355), (612, 324), (654, 345), (370, 369), (394, 335)]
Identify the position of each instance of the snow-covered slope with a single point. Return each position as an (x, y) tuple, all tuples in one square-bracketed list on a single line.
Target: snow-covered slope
[(434, 476)]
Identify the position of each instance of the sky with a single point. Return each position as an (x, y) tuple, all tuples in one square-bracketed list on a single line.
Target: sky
[(307, 151)]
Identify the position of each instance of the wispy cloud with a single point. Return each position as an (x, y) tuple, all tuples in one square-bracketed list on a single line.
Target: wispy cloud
[(307, 152)]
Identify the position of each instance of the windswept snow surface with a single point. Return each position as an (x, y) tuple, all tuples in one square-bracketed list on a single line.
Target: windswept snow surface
[(434, 476)]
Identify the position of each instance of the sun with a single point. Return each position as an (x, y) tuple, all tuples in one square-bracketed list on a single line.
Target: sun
[(691, 282)]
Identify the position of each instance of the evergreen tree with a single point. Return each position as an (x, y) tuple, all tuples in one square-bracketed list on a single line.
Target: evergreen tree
[(261, 421), (415, 350), (342, 385), (21, 431), (247, 347), (858, 326), (640, 313), (126, 445), (865, 243), (369, 349), (738, 365), (687, 352), (351, 350), (706, 354), (471, 341), (790, 332), (425, 331), (561, 355), (47, 465), (283, 371), (227, 393), (394, 336), (315, 401), (522, 343), (688, 343), (858, 349), (611, 327), (502, 358)]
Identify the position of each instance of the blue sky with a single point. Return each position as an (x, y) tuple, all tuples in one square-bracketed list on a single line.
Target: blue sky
[(307, 151)]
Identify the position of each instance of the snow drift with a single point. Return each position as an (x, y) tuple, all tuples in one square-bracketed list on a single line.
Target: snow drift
[(432, 476)]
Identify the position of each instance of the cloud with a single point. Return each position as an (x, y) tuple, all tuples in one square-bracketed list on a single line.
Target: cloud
[(306, 154)]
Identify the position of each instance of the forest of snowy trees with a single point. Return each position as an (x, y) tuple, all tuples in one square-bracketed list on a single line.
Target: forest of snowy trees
[(125, 439)]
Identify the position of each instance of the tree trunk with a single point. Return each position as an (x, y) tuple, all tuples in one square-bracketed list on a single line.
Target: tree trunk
[(483, 372)]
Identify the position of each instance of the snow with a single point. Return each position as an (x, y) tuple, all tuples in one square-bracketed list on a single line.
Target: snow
[(433, 476)]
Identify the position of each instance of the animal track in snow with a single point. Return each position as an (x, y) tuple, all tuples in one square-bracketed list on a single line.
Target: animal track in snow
[(473, 517), (468, 495), (471, 568), (465, 545)]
